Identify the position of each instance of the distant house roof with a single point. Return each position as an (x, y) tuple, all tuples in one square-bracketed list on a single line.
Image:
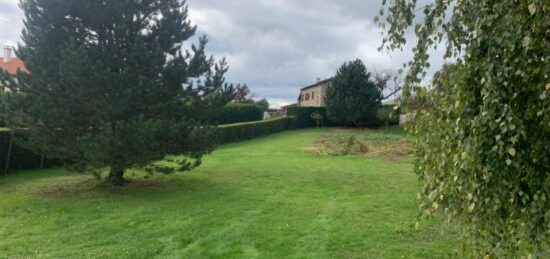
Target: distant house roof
[(12, 66), (318, 83)]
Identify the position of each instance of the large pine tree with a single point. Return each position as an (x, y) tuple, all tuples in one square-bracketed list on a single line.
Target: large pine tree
[(353, 98), (110, 84)]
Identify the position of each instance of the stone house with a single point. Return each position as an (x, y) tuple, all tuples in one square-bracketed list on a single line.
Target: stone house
[(314, 95)]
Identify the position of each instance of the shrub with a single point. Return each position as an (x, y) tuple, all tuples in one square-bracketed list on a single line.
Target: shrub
[(304, 118), (249, 130), (236, 112)]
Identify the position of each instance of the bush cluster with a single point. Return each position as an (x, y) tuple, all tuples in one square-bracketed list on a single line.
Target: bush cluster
[(236, 112), (249, 130)]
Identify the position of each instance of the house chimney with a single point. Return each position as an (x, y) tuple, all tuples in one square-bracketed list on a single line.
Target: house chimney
[(318, 79), (7, 53)]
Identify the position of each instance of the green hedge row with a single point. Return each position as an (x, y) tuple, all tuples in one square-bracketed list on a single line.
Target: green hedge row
[(235, 113), (20, 158), (304, 119), (249, 130)]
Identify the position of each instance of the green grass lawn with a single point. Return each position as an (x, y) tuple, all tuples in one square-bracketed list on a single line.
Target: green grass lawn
[(265, 198)]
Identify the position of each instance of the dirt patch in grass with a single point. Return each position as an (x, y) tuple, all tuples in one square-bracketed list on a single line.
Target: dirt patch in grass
[(363, 143)]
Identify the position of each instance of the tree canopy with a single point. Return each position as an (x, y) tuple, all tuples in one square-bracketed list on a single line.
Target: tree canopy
[(110, 85), (243, 94), (483, 133), (352, 98), (263, 104)]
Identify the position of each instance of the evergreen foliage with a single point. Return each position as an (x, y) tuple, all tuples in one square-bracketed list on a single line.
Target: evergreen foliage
[(352, 98), (483, 133), (208, 107), (109, 83)]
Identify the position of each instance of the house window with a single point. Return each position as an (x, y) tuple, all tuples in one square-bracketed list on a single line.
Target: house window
[(312, 95), (307, 97)]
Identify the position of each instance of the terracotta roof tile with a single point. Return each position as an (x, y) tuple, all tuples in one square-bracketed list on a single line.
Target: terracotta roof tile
[(12, 66)]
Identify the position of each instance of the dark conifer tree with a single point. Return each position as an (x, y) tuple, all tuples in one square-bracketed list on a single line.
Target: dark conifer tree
[(352, 99), (111, 86)]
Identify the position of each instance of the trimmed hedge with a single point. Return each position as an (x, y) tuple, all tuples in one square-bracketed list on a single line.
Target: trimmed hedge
[(249, 130), (303, 116), (304, 120), (236, 112), (20, 158)]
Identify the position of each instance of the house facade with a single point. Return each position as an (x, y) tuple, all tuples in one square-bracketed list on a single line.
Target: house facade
[(10, 64), (314, 95)]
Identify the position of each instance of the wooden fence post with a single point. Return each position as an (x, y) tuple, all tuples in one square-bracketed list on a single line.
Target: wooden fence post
[(8, 156)]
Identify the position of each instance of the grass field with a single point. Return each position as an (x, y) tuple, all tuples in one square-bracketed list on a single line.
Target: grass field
[(265, 198)]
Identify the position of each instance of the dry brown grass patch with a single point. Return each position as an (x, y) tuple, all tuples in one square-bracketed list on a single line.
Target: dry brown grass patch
[(363, 143)]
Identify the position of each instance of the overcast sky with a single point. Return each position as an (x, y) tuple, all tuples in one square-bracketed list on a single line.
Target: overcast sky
[(276, 47)]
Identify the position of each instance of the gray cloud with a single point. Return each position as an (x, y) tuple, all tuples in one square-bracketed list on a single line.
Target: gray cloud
[(276, 46)]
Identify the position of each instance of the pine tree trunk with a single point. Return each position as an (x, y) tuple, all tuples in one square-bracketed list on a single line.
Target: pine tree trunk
[(42, 161), (116, 176)]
